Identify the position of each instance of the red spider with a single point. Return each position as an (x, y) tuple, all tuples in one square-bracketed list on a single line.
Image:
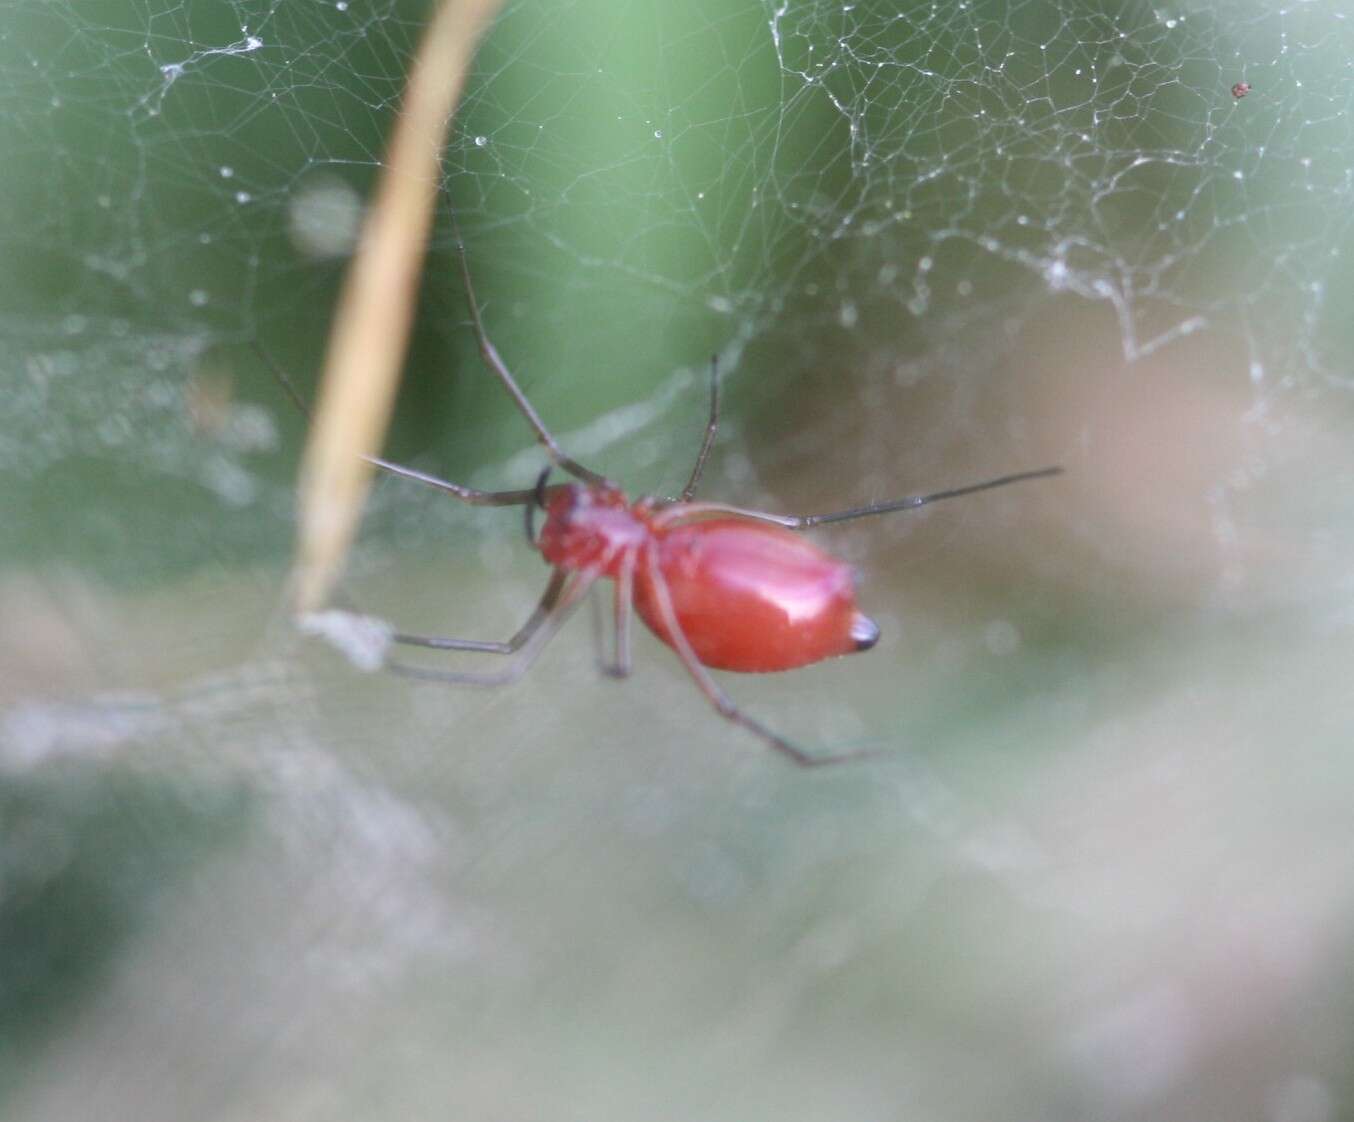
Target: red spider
[(1240, 90), (724, 587)]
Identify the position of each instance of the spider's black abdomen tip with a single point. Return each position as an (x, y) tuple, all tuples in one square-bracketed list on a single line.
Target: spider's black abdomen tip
[(864, 632)]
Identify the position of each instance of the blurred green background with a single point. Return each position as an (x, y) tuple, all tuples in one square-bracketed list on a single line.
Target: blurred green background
[(1102, 868)]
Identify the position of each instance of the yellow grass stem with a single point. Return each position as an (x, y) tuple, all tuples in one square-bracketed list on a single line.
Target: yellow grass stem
[(370, 335)]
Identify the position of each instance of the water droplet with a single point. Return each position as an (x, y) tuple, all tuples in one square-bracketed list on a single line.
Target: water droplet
[(481, 141), (864, 632), (324, 217)]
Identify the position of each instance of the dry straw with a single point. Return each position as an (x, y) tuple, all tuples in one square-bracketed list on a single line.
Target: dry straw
[(368, 341)]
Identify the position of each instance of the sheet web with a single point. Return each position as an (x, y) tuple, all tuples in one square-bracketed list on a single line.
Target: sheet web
[(913, 161), (928, 242), (848, 176)]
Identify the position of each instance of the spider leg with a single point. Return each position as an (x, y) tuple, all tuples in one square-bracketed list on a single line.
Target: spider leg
[(508, 646), (623, 595), (598, 633), (494, 361), (526, 656), (465, 494), (619, 665), (711, 427), (723, 703), (676, 514)]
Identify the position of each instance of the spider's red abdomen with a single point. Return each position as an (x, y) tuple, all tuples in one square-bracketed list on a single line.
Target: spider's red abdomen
[(752, 597)]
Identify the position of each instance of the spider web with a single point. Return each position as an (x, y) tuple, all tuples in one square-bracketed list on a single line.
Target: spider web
[(927, 243)]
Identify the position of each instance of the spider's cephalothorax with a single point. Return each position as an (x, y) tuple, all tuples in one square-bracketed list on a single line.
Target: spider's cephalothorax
[(589, 526)]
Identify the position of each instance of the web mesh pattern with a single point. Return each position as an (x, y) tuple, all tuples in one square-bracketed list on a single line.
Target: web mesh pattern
[(927, 243)]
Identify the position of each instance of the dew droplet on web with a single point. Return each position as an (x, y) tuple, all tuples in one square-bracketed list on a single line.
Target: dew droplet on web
[(325, 217)]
